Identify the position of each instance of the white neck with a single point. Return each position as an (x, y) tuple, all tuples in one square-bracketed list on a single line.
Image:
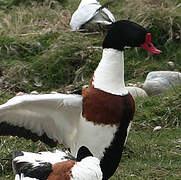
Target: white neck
[(109, 75)]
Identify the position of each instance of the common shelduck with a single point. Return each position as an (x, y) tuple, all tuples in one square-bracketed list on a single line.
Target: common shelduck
[(90, 12), (99, 119), (56, 166)]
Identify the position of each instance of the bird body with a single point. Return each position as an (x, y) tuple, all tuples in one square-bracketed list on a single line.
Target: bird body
[(90, 11), (99, 119), (58, 165)]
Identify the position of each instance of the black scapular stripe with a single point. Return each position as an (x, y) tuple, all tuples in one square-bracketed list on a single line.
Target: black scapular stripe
[(8, 129), (40, 172)]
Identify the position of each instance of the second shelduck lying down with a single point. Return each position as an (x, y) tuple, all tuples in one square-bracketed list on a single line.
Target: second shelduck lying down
[(90, 13), (99, 119), (58, 165)]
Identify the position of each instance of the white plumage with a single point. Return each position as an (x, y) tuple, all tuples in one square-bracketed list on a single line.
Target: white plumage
[(24, 165), (59, 116), (21, 177), (56, 115), (90, 11)]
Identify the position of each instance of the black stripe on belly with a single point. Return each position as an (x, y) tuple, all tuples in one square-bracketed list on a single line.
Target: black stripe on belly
[(8, 129), (113, 153)]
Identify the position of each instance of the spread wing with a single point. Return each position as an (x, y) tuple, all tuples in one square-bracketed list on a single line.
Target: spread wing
[(46, 117)]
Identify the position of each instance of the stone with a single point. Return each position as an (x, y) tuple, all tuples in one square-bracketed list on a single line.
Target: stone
[(20, 93), (160, 81), (34, 93), (157, 128), (171, 64), (54, 92), (136, 92)]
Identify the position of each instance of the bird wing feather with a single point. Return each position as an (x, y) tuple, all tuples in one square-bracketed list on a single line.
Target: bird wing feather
[(83, 14), (54, 116), (109, 15)]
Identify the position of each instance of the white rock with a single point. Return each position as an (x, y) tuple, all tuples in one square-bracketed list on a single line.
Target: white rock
[(136, 92), (157, 128), (34, 92), (54, 92), (20, 94), (37, 82), (160, 81), (85, 86), (171, 64)]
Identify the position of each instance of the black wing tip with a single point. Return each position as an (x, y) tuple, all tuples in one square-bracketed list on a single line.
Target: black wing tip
[(39, 172), (7, 129)]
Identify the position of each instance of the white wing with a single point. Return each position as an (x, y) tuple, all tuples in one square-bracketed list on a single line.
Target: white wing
[(103, 16), (88, 168), (83, 14), (90, 10), (21, 177), (47, 117), (35, 159), (109, 14), (24, 162)]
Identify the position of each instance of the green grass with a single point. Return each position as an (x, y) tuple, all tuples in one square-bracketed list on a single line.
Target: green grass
[(154, 154), (151, 155), (36, 45)]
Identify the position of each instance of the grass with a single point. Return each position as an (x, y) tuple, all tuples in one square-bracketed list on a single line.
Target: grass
[(154, 154), (39, 52), (151, 155)]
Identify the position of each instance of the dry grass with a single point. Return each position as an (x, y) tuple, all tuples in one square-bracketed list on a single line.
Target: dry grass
[(163, 16), (34, 20)]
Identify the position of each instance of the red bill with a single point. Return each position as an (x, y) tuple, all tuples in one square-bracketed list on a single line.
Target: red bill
[(149, 46)]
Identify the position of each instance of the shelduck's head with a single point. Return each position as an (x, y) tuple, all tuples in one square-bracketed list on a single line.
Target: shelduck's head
[(126, 33)]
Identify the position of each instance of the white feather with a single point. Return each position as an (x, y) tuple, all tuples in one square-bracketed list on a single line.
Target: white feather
[(21, 177), (41, 157), (86, 136), (109, 75), (57, 115), (36, 158), (89, 10), (87, 169)]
